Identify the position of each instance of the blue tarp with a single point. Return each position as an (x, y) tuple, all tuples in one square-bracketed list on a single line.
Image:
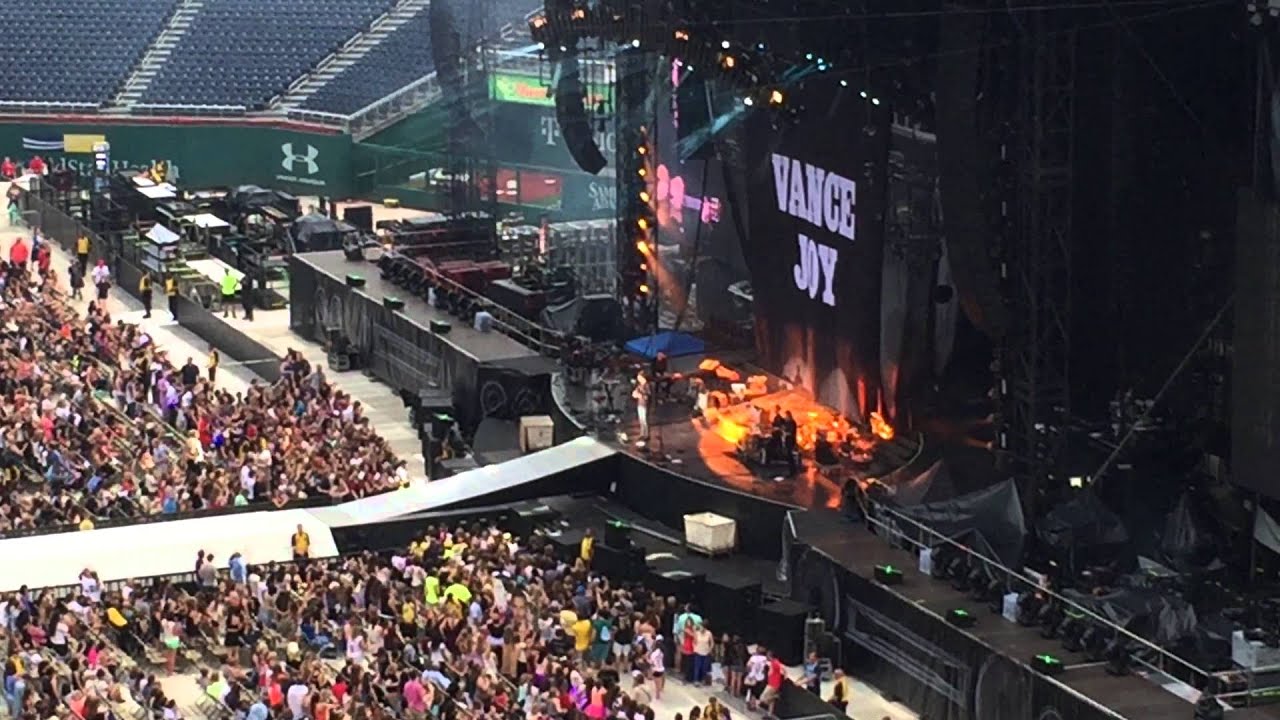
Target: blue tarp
[(674, 344)]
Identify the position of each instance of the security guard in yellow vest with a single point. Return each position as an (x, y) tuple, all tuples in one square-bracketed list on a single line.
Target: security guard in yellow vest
[(171, 291), (144, 291), (82, 252)]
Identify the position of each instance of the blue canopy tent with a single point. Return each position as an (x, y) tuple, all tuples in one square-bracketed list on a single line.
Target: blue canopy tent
[(674, 344)]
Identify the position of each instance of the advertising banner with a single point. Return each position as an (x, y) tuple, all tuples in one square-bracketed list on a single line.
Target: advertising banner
[(816, 189), (521, 89), (201, 156)]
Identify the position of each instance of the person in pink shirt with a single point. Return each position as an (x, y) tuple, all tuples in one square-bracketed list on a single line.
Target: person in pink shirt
[(415, 696)]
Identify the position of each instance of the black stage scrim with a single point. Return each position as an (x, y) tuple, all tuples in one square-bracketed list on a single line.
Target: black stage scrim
[(1255, 432), (816, 190)]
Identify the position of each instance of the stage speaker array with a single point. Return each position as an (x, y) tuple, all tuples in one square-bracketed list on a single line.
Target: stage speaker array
[(571, 115)]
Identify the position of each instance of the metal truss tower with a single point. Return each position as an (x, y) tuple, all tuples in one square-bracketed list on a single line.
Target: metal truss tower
[(1038, 256)]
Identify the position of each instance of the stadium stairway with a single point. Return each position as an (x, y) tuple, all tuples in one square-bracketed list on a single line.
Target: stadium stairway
[(356, 48), (140, 79)]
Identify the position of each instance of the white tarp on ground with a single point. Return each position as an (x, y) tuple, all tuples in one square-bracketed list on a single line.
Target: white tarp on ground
[(157, 548), (423, 496)]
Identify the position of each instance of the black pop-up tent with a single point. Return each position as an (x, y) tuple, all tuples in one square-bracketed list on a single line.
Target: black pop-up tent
[(314, 231), (989, 521)]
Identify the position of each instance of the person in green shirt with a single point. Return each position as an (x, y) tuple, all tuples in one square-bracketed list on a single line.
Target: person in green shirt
[(458, 593), (601, 638), (230, 285), (431, 590)]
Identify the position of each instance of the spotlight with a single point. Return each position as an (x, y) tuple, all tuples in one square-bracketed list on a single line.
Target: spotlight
[(682, 35), (748, 101), (1029, 606), (1094, 643), (727, 62), (844, 83), (644, 196), (1117, 655), (644, 289), (1208, 708), (642, 223), (1048, 619), (1072, 630), (635, 43), (875, 101), (760, 46), (776, 97), (863, 94), (808, 56), (724, 44)]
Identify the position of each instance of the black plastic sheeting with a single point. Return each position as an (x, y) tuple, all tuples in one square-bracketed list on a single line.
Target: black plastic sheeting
[(1164, 620), (1186, 545), (1084, 532), (989, 521)]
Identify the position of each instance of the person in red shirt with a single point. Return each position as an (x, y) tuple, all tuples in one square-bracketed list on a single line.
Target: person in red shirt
[(43, 258), (773, 683), (19, 254), (37, 165), (8, 169)]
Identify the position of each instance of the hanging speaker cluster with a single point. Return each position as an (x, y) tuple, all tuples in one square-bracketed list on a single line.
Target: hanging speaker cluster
[(575, 124)]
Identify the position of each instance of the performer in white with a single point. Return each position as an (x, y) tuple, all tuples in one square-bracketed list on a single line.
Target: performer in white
[(641, 395)]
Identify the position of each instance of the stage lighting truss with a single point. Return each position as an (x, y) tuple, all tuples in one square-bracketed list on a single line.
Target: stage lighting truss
[(639, 180)]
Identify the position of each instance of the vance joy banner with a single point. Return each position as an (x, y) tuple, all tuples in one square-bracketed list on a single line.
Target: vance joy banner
[(814, 245)]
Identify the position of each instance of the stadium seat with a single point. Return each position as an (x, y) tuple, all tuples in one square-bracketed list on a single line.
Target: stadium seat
[(244, 52), (79, 51)]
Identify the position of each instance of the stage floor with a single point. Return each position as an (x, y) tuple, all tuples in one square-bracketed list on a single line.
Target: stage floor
[(695, 448), (854, 547), (481, 346)]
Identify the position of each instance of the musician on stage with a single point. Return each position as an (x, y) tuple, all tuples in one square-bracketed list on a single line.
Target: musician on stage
[(641, 394), (789, 432)]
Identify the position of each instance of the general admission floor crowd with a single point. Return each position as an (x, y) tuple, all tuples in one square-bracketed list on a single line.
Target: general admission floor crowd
[(98, 424)]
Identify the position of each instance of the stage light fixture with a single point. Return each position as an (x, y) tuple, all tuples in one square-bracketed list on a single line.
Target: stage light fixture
[(642, 172), (1047, 664), (1117, 655), (644, 288), (724, 44), (1072, 629), (682, 35), (1208, 708), (844, 83), (961, 618), (644, 196), (642, 223), (635, 43), (1029, 605), (776, 97), (808, 56), (728, 62), (642, 150), (748, 101)]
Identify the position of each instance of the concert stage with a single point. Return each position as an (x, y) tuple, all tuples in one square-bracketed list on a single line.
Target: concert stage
[(488, 373), (707, 448), (898, 639)]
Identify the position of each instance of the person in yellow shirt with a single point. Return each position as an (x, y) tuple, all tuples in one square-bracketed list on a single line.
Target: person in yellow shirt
[(301, 543), (144, 292), (82, 253), (86, 523), (431, 590), (840, 690), (582, 636), (171, 292), (587, 549)]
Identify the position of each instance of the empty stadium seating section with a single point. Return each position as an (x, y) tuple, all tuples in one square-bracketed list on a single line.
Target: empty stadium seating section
[(74, 51), (233, 53), (403, 57), (244, 52)]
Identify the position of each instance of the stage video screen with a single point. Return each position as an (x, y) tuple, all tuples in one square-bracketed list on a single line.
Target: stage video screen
[(816, 189)]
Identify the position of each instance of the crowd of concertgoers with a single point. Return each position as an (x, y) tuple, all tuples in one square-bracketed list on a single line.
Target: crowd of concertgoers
[(466, 624), (98, 423)]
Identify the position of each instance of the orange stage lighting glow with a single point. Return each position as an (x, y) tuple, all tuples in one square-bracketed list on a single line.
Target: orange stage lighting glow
[(734, 422), (881, 427)]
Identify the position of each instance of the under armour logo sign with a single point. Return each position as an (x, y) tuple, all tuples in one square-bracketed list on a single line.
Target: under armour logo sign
[(291, 159)]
